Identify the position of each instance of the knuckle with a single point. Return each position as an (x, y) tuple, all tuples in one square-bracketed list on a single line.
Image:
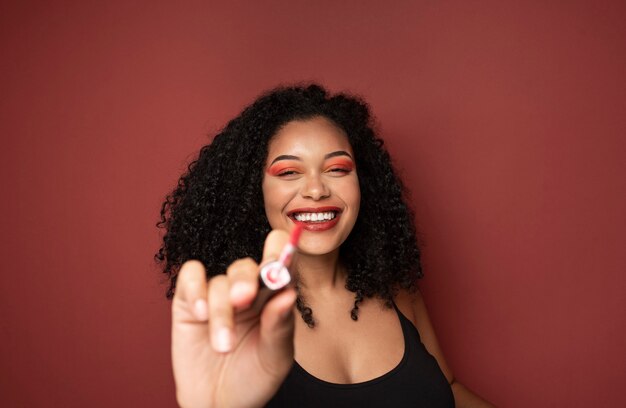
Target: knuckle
[(191, 271), (274, 243), (277, 235), (220, 315), (190, 280), (221, 310), (191, 286), (192, 264), (218, 284), (242, 267)]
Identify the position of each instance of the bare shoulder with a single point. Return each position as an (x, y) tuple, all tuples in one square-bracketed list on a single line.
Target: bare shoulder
[(412, 305), (405, 301)]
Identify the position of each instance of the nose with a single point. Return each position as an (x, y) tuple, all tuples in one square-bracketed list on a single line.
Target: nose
[(315, 188)]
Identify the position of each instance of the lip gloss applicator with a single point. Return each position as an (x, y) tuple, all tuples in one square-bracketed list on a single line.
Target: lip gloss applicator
[(274, 276)]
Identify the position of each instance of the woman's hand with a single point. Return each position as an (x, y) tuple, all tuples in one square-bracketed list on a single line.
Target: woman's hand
[(218, 359)]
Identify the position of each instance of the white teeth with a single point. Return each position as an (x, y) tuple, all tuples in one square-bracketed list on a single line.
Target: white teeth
[(314, 217)]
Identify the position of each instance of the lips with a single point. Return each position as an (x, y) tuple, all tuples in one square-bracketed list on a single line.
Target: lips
[(315, 218)]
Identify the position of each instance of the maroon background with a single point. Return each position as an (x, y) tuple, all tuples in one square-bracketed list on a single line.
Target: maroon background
[(506, 120)]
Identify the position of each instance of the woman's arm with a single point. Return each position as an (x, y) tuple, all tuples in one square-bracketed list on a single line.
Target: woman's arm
[(464, 398), (213, 349), (413, 307)]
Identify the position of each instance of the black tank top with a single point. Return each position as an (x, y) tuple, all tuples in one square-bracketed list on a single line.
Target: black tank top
[(417, 381)]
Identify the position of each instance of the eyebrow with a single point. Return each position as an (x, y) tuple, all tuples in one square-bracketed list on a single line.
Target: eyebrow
[(327, 156)]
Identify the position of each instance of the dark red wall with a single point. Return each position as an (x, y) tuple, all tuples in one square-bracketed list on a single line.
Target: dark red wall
[(506, 119)]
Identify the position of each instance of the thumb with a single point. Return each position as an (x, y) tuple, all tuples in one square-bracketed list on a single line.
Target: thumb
[(276, 332)]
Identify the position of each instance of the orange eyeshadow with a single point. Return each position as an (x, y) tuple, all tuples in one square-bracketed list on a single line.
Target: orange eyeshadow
[(278, 168), (346, 164)]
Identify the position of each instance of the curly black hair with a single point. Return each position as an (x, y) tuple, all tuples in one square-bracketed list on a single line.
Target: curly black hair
[(216, 212)]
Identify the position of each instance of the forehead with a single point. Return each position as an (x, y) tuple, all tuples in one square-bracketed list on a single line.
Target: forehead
[(304, 137)]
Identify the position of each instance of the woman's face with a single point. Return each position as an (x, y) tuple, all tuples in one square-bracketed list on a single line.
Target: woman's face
[(310, 178)]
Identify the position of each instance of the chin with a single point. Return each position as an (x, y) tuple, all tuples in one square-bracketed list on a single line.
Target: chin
[(315, 251), (310, 247)]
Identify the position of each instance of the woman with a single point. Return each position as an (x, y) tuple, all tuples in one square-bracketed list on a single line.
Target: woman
[(299, 156)]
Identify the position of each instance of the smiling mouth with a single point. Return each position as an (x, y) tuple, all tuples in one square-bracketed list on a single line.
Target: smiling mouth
[(314, 216)]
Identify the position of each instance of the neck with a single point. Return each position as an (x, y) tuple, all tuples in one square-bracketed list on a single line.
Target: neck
[(319, 272)]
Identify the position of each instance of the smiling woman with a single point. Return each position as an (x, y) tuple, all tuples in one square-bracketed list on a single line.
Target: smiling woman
[(299, 157), (311, 180)]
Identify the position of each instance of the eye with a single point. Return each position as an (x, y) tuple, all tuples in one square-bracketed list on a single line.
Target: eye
[(339, 167), (283, 171), (339, 170), (287, 172)]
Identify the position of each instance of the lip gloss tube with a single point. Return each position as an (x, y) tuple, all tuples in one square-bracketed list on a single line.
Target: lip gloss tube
[(274, 276)]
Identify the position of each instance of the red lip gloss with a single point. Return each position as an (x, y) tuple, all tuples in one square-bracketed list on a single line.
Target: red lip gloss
[(274, 276), (316, 226)]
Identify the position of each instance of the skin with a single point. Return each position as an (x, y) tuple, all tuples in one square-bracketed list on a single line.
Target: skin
[(212, 349), (309, 165)]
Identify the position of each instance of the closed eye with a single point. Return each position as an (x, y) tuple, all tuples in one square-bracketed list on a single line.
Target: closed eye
[(283, 170), (340, 166), (287, 173), (339, 170)]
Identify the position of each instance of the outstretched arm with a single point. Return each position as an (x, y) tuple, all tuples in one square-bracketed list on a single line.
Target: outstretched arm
[(214, 354)]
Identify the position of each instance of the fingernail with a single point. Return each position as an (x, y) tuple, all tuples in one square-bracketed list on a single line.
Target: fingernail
[(200, 309), (239, 290), (222, 340)]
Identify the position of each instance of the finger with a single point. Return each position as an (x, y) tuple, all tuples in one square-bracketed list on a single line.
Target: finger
[(243, 277), (191, 289), (277, 330), (274, 244), (220, 313)]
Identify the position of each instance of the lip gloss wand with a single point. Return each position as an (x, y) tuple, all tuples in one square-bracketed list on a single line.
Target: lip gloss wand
[(274, 276)]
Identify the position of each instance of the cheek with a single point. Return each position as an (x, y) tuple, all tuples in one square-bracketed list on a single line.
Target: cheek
[(351, 192), (266, 195), (276, 196), (269, 199)]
